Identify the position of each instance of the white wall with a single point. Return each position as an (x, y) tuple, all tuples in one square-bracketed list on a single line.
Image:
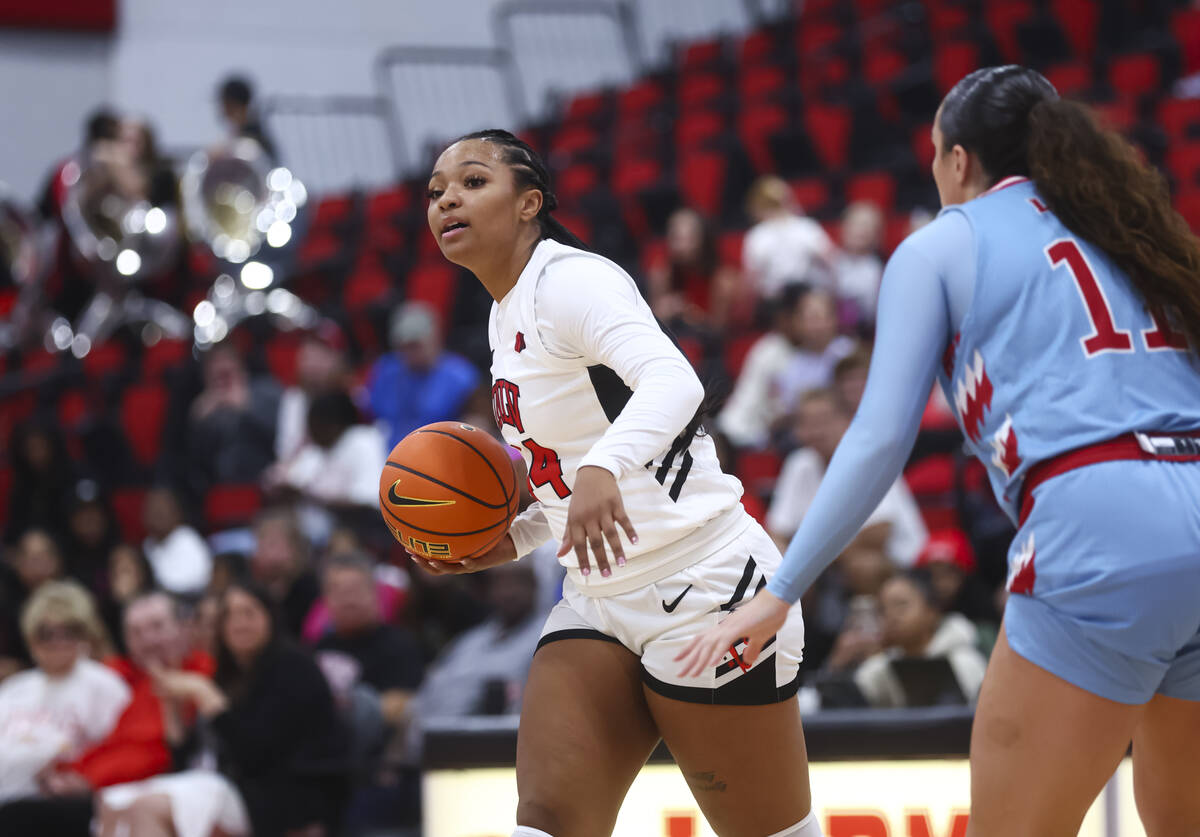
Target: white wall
[(47, 84)]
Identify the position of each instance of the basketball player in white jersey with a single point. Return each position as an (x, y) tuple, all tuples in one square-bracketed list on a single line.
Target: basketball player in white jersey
[(603, 407)]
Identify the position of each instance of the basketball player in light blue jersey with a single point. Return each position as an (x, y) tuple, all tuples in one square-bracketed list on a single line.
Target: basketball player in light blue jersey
[(1057, 299)]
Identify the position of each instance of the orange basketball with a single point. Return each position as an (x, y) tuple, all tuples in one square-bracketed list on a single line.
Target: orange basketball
[(448, 491)]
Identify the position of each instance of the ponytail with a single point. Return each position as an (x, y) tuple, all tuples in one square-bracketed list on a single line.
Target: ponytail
[(1098, 186)]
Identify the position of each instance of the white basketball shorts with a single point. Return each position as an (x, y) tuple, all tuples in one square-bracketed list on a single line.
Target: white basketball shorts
[(656, 621)]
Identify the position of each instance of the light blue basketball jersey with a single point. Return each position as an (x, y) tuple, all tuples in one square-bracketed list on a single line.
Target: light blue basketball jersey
[(1057, 350)]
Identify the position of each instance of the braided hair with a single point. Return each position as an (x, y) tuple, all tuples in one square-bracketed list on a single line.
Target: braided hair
[(529, 172)]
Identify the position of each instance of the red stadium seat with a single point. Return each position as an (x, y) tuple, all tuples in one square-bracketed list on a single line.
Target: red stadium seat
[(434, 284), (1186, 26), (332, 211), (878, 188), (8, 299), (701, 179), (1180, 118), (281, 356), (1183, 161), (700, 89), (953, 61), (932, 482), (38, 361), (228, 506), (586, 107), (758, 469), (702, 55), (947, 20), (884, 66), (693, 350), (1135, 75), (632, 176), (756, 126), (1078, 19), (736, 351), (1188, 205), (574, 138), (1003, 18), (812, 193), (829, 130), (127, 505), (813, 36), (895, 231), (73, 407), (164, 355), (1120, 115), (143, 413), (575, 181), (369, 284), (756, 508), (819, 75), (695, 128), (922, 145), (1071, 79), (634, 101), (729, 247), (757, 48), (759, 83), (387, 205), (104, 358)]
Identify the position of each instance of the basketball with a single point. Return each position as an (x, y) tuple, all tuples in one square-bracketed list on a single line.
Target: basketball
[(448, 491)]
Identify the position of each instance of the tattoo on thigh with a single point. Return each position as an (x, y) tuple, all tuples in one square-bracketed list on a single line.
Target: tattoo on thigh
[(705, 782)]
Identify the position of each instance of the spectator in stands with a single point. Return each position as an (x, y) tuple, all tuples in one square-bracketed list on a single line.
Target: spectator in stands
[(818, 348), (950, 561), (140, 744), (483, 671), (754, 406), (180, 558), (35, 561), (202, 626), (784, 246), (857, 267), (67, 703), (321, 366), (231, 423), (42, 478), (281, 563), (692, 291), (418, 382), (360, 648), (279, 744), (90, 536), (235, 97), (821, 420), (129, 576), (335, 475), (914, 626), (391, 585)]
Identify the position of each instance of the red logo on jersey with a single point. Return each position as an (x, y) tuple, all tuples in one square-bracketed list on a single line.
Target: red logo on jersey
[(1005, 442), (973, 395), (1038, 205), (1022, 574), (505, 395), (948, 356), (520, 342)]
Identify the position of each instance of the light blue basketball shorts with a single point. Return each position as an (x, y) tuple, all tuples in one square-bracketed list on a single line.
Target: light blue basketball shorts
[(1104, 578)]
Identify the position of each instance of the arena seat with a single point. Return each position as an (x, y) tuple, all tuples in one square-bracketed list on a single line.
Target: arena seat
[(1185, 25), (143, 414), (227, 506), (953, 61), (1002, 19), (369, 284), (127, 503), (1180, 118), (757, 126), (1071, 79), (877, 187), (1079, 20), (758, 470), (758, 48), (829, 127), (701, 179), (434, 283), (812, 193), (105, 358), (695, 128), (163, 356), (699, 90), (763, 83), (1134, 75)]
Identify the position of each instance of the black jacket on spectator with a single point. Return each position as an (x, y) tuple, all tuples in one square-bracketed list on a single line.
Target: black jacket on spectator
[(298, 601), (389, 657), (282, 743)]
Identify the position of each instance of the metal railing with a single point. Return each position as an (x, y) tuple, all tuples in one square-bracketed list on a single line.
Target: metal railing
[(440, 92), (336, 143)]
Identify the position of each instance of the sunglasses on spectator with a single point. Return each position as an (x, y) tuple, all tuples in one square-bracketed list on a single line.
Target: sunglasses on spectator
[(49, 633)]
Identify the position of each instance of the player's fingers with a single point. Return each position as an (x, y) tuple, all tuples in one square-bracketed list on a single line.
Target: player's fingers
[(753, 647), (577, 540), (614, 541), (624, 522), (595, 539)]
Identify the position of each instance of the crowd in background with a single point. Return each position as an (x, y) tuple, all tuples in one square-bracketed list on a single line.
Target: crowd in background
[(277, 667)]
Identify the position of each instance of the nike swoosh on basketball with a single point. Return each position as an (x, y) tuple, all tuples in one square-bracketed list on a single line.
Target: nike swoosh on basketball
[(396, 500), (670, 608)]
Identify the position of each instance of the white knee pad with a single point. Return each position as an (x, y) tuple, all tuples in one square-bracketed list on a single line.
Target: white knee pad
[(807, 827), (526, 831)]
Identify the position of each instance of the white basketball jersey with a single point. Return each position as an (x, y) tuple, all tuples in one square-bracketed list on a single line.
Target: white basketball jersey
[(554, 406)]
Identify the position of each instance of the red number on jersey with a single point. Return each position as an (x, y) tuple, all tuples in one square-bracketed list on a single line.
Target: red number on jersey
[(1163, 336), (545, 468), (1105, 336)]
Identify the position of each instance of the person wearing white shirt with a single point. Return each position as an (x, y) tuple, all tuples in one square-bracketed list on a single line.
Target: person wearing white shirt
[(320, 367), (55, 711), (821, 421), (180, 558), (858, 268), (783, 246)]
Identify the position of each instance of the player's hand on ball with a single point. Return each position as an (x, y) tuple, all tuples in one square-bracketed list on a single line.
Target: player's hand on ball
[(501, 553), (755, 622), (595, 512)]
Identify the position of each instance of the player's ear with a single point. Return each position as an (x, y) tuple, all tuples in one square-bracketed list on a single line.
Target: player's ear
[(962, 164), (529, 204)]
